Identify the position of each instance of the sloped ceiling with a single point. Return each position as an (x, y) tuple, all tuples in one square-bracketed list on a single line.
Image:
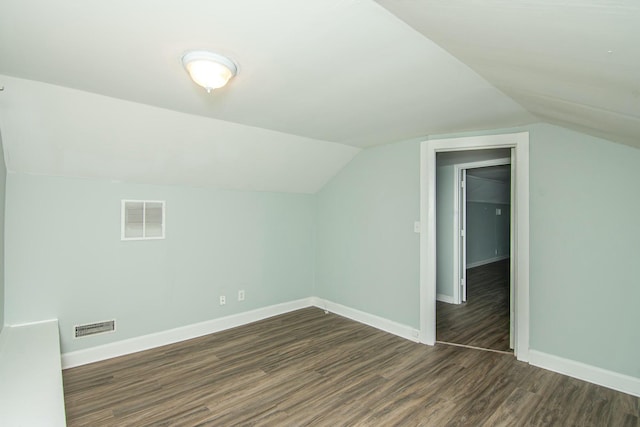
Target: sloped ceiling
[(56, 131), (96, 89), (573, 63)]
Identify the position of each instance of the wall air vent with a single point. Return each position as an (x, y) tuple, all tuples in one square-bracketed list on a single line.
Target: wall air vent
[(80, 331)]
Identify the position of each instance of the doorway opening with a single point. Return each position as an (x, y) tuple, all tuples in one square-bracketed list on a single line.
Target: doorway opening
[(518, 146), (474, 302)]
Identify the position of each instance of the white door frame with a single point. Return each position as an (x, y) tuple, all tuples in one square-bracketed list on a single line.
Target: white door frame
[(457, 190), (520, 211)]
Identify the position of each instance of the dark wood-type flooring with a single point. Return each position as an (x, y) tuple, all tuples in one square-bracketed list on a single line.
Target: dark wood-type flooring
[(311, 368), (482, 321)]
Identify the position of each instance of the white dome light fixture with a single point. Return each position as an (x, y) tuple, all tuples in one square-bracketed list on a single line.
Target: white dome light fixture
[(209, 70)]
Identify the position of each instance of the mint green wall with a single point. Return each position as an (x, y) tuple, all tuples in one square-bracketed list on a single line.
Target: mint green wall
[(66, 259), (3, 180), (584, 249), (368, 253), (487, 233), (445, 196)]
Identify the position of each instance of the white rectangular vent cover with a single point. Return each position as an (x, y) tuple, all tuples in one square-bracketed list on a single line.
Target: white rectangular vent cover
[(142, 219), (94, 328)]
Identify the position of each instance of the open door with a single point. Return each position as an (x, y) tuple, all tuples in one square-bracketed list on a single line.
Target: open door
[(512, 245), (463, 238), (485, 182)]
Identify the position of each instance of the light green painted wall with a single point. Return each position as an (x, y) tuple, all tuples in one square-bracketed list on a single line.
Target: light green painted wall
[(3, 180), (445, 196), (66, 259), (585, 231), (487, 233), (368, 253)]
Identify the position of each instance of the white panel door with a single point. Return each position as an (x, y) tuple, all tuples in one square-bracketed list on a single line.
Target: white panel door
[(463, 234)]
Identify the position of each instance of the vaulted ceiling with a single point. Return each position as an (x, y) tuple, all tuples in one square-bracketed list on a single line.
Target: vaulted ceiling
[(96, 89), (574, 63)]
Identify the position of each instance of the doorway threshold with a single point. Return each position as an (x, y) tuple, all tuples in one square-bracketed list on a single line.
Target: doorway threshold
[(474, 347)]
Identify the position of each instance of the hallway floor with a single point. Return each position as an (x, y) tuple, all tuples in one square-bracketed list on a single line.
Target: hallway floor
[(482, 321)]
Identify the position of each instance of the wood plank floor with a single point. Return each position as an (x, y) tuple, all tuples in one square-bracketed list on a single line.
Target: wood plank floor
[(311, 368), (482, 321)]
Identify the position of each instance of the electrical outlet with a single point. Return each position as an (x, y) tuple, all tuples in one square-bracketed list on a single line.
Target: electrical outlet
[(223, 300), (241, 295)]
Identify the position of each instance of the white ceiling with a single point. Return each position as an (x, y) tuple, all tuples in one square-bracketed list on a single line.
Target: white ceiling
[(326, 76), (56, 131), (344, 71), (574, 63)]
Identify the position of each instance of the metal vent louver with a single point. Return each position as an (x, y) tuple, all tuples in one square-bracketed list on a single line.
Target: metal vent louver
[(94, 328)]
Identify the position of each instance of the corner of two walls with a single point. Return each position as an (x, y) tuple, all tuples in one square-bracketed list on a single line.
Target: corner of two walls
[(67, 260), (367, 250)]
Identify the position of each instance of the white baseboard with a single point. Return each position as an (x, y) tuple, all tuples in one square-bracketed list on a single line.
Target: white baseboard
[(146, 342), (377, 322), (445, 298), (610, 379), (620, 382), (487, 261)]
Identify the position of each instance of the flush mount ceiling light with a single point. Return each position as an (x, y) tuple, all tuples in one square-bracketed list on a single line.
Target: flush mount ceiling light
[(209, 70)]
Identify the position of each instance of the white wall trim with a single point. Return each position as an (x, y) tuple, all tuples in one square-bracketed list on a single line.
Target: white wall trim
[(487, 261), (620, 382), (610, 379), (377, 322), (445, 298), (146, 342), (519, 143)]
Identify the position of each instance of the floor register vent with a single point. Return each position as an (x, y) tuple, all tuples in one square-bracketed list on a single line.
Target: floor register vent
[(94, 328)]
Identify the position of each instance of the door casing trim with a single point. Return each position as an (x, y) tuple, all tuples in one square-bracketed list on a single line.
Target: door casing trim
[(519, 142)]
